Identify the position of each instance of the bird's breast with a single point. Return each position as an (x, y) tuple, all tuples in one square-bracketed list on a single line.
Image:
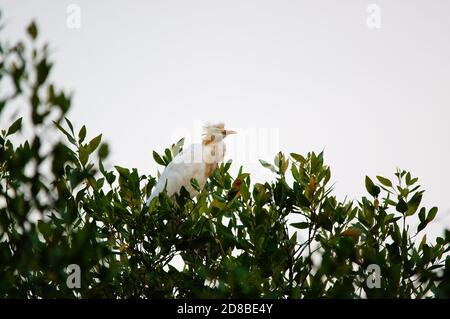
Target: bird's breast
[(209, 168), (213, 154)]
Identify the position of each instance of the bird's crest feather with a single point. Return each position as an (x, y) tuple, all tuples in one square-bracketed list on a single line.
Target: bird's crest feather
[(210, 130), (213, 127)]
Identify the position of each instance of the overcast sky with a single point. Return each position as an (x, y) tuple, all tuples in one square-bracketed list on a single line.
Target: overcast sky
[(369, 84)]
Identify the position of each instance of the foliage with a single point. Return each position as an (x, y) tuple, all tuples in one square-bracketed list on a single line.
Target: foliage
[(59, 205)]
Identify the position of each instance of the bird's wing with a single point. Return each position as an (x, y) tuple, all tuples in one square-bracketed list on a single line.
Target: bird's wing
[(185, 166)]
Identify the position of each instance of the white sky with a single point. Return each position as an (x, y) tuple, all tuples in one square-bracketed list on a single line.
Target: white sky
[(310, 75)]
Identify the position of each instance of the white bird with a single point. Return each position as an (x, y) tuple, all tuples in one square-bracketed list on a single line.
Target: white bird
[(197, 162)]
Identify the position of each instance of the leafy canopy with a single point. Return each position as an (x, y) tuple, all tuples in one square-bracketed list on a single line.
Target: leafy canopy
[(59, 205)]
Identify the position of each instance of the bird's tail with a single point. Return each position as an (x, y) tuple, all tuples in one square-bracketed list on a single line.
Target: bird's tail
[(153, 195), (158, 189)]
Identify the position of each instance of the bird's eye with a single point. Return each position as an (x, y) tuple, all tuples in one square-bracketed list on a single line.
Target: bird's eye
[(224, 132)]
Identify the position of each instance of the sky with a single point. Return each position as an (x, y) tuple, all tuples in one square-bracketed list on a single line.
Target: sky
[(368, 82)]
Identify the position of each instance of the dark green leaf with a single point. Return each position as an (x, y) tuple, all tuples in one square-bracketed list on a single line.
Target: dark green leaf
[(302, 225), (401, 207), (70, 125), (82, 134), (83, 154), (94, 143), (384, 181), (414, 204), (372, 188), (431, 214), (69, 137), (158, 159), (299, 158), (32, 30), (17, 125), (103, 151)]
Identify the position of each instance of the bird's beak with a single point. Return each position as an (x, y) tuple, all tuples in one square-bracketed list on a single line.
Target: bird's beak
[(229, 132)]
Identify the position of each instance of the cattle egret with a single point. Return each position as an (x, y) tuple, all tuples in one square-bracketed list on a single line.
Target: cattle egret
[(197, 162)]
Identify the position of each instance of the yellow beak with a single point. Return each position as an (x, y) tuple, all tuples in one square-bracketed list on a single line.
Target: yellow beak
[(229, 132)]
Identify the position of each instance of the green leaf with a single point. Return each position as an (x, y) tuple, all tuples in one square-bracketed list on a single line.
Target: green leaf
[(83, 153), (325, 222), (94, 143), (268, 165), (17, 125), (414, 204), (103, 151), (82, 134), (422, 214), (32, 30), (69, 137), (295, 172), (70, 125), (168, 155), (158, 159), (178, 147), (401, 207), (281, 163), (195, 184), (413, 181), (431, 214), (408, 178), (384, 181), (302, 225), (424, 222), (43, 70), (372, 188), (423, 242), (299, 158), (122, 171), (422, 225)]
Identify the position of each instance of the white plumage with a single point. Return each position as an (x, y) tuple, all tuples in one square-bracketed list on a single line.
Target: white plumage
[(197, 161)]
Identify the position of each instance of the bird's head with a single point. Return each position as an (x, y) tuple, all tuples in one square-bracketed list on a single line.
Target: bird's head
[(214, 133)]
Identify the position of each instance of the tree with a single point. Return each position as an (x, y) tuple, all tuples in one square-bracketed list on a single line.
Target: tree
[(60, 209)]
